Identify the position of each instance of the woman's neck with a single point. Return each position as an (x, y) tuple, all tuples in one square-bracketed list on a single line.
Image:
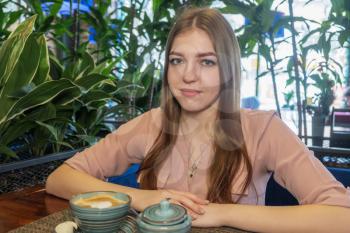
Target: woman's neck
[(198, 123)]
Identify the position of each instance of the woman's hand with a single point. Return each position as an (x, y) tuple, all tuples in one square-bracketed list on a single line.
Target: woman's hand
[(213, 217), (191, 202)]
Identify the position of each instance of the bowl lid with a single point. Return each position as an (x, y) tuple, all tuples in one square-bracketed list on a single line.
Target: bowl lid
[(164, 214)]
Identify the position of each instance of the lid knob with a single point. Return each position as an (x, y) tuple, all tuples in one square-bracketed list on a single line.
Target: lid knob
[(164, 208)]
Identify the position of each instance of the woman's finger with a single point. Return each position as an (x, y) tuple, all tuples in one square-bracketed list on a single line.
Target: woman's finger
[(193, 215), (189, 204), (193, 197)]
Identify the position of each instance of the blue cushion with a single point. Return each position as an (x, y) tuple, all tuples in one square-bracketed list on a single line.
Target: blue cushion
[(276, 195), (128, 178), (341, 174)]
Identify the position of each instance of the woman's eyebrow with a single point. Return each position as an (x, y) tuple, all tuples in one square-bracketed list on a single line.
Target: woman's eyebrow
[(175, 53), (205, 54)]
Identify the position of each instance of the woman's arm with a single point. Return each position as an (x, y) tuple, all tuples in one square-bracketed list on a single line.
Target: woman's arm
[(303, 218), (66, 181)]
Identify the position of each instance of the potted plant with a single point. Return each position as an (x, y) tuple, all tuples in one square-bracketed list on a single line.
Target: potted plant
[(321, 102), (42, 113)]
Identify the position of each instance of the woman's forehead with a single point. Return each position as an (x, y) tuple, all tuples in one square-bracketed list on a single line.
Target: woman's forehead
[(193, 41)]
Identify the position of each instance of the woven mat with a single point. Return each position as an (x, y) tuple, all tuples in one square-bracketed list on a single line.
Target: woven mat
[(48, 224)]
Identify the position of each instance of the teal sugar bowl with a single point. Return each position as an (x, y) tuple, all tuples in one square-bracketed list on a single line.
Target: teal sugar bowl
[(164, 217)]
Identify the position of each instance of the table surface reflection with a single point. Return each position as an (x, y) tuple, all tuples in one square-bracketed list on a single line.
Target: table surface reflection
[(33, 210)]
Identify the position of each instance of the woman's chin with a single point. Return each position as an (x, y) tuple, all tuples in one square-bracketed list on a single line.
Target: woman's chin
[(195, 109)]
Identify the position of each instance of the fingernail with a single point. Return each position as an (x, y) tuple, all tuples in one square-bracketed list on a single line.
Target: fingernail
[(202, 211), (207, 201)]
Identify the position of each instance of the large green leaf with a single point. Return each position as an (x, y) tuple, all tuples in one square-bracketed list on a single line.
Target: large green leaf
[(95, 95), (41, 113), (16, 130), (22, 74), (67, 96), (44, 64), (56, 68), (87, 64), (89, 81), (11, 49), (42, 94), (53, 131)]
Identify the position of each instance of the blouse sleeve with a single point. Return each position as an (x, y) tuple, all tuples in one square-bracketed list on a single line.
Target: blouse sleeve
[(113, 154), (297, 169)]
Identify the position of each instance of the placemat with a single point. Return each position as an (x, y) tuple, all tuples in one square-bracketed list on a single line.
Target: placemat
[(48, 224)]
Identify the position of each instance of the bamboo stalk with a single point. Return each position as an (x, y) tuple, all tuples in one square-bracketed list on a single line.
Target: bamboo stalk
[(296, 70)]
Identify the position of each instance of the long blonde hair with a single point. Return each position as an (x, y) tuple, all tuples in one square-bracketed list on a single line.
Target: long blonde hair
[(229, 147)]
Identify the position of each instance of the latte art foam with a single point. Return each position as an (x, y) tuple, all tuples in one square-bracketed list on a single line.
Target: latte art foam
[(100, 201)]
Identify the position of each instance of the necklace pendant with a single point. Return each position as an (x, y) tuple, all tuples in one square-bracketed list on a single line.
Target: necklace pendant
[(191, 172)]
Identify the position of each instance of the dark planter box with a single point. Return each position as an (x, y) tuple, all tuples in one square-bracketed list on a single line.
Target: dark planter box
[(15, 176)]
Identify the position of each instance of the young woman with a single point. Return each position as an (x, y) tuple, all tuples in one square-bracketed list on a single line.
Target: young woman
[(202, 151)]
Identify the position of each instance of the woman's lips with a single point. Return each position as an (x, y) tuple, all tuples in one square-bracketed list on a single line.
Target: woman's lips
[(189, 92)]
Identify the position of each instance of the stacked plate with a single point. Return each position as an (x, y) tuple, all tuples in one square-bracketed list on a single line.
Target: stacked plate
[(100, 212)]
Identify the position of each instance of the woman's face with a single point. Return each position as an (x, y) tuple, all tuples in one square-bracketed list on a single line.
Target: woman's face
[(193, 72)]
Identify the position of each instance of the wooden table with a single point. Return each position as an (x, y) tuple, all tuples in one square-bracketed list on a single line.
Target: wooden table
[(23, 207), (34, 211)]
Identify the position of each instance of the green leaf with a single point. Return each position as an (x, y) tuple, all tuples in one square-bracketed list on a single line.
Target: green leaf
[(53, 131), (8, 152), (87, 64), (156, 5), (42, 94), (46, 24), (89, 81), (14, 16), (262, 74), (96, 105), (343, 37), (265, 52), (55, 8), (41, 113), (44, 65), (23, 72), (67, 96), (56, 69), (64, 144), (22, 91), (290, 81), (16, 130), (11, 49), (91, 140), (95, 95), (36, 5)]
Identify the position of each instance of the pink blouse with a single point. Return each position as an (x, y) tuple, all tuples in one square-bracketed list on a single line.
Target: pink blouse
[(271, 145)]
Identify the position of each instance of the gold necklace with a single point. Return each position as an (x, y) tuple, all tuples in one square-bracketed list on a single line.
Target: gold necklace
[(192, 169)]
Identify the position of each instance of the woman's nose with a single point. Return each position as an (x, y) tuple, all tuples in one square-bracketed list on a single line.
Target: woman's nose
[(191, 72)]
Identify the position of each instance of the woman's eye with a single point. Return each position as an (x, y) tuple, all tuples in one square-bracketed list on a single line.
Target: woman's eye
[(175, 61), (208, 62)]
